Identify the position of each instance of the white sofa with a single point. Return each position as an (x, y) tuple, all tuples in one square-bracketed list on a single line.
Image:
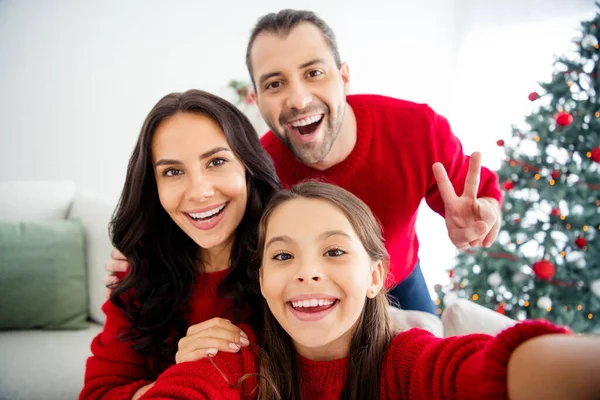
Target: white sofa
[(43, 364), (46, 364)]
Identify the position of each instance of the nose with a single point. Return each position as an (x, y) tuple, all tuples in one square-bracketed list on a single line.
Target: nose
[(199, 188), (298, 97), (308, 271)]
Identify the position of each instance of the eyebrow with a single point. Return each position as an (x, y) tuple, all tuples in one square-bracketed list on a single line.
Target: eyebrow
[(314, 61), (328, 234), (322, 236), (165, 161)]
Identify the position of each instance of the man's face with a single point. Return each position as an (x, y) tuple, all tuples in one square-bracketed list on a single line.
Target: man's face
[(300, 91)]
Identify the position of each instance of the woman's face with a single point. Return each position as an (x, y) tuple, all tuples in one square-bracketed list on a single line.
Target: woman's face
[(201, 184), (316, 276)]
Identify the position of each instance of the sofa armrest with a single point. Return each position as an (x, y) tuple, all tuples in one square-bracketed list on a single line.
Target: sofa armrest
[(95, 214)]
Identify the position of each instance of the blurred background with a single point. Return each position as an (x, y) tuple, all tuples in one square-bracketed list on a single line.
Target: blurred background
[(77, 78)]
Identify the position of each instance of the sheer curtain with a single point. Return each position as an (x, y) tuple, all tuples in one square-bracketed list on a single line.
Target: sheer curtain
[(502, 49)]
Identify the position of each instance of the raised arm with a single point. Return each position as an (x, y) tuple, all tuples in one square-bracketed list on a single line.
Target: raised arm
[(522, 362)]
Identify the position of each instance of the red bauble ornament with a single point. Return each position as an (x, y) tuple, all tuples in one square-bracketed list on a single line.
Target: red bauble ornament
[(501, 309), (508, 185), (517, 220), (563, 118), (596, 154), (533, 96), (451, 273), (544, 270), (500, 142), (555, 175), (581, 242), (555, 212)]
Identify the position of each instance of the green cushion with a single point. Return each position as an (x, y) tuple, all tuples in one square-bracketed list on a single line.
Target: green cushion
[(42, 275)]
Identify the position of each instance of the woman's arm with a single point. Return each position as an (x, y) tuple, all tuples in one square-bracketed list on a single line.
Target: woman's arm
[(225, 376), (114, 371)]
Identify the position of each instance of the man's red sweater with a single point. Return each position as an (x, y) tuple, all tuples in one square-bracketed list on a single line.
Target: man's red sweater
[(417, 366), (115, 371), (390, 169)]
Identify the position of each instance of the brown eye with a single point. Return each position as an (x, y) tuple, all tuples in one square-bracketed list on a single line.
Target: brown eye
[(282, 257), (274, 85), (334, 253), (172, 172), (217, 162)]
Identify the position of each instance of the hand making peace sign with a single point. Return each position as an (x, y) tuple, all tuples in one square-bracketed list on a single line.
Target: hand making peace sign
[(470, 221)]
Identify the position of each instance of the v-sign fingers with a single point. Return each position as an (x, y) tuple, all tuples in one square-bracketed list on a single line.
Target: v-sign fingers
[(444, 185), (473, 176)]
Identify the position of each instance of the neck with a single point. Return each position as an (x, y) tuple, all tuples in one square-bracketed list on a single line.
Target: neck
[(344, 143), (217, 258)]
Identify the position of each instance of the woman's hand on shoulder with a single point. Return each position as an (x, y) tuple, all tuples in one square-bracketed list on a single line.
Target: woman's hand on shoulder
[(209, 337)]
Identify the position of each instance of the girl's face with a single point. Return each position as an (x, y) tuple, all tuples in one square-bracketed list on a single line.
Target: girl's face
[(316, 276), (201, 184)]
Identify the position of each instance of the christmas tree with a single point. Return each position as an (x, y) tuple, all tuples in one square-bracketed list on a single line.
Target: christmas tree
[(546, 261)]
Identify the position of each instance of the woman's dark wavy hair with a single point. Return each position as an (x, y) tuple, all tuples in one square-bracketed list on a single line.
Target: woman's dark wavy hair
[(163, 260)]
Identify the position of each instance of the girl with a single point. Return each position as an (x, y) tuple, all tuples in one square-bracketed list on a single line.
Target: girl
[(196, 186), (327, 333)]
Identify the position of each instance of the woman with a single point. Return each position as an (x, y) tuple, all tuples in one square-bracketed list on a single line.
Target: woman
[(196, 186), (327, 333)]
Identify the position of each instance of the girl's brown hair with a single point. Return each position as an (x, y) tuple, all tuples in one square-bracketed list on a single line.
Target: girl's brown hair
[(280, 377)]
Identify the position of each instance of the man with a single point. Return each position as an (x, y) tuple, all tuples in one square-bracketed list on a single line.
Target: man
[(390, 153), (381, 149)]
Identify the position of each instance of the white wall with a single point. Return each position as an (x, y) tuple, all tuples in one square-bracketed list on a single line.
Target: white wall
[(77, 78)]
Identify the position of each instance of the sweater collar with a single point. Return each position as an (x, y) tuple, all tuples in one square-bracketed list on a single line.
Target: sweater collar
[(318, 376)]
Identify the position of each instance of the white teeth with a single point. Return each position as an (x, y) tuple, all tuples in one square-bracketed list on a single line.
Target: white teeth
[(311, 303), (306, 121), (207, 214)]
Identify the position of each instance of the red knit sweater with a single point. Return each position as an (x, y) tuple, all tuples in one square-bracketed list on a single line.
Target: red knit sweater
[(390, 168), (417, 366), (115, 371)]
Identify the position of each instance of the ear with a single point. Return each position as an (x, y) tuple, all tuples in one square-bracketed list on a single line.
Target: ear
[(345, 71), (252, 95), (376, 280)]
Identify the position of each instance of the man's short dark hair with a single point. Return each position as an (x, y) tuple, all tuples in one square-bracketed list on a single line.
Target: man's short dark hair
[(282, 23)]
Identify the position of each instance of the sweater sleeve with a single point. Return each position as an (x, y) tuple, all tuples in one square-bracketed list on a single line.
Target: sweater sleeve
[(114, 371), (422, 366), (226, 376), (447, 149)]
